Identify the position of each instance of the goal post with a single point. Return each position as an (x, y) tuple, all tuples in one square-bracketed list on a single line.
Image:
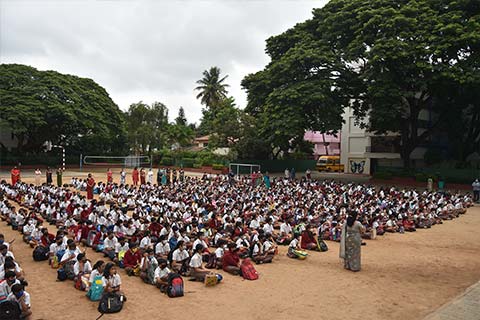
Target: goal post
[(118, 161), (244, 168)]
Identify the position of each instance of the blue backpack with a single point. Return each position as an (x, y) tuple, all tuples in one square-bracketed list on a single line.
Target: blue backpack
[(96, 290)]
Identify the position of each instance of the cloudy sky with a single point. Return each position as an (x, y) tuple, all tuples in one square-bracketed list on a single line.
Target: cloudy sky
[(147, 50)]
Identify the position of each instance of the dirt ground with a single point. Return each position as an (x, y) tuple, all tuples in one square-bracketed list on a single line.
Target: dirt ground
[(404, 276)]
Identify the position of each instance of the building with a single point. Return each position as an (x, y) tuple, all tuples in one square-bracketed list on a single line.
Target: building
[(323, 143)]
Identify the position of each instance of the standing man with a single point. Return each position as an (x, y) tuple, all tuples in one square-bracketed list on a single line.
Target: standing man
[(49, 176), (15, 175), (90, 185), (59, 177), (123, 177), (476, 190)]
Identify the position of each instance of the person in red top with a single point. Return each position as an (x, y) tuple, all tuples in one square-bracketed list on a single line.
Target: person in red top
[(307, 239), (135, 176), (15, 175), (155, 228), (109, 176), (47, 238), (231, 260), (142, 176), (90, 185), (132, 258)]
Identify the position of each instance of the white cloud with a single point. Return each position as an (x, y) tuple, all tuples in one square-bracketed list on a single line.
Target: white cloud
[(147, 50)]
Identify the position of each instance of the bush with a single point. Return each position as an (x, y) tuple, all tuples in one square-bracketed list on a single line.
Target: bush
[(188, 162), (217, 166), (167, 161), (382, 175), (197, 165)]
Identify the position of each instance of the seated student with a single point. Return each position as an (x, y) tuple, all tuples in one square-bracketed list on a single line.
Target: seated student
[(259, 254), (28, 230), (6, 284), (293, 246), (112, 280), (57, 250), (70, 255), (146, 242), (161, 275), (408, 224), (285, 234), (82, 267), (307, 239), (231, 260), (47, 238), (391, 225), (22, 297), (109, 245), (162, 249), (219, 252), (180, 258), (196, 269), (11, 265), (97, 270), (4, 252), (8, 244), (131, 260), (121, 247), (148, 265)]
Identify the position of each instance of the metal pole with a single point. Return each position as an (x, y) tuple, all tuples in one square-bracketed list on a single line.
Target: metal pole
[(81, 155), (63, 158)]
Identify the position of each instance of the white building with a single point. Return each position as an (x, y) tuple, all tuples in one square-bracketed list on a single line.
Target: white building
[(362, 151)]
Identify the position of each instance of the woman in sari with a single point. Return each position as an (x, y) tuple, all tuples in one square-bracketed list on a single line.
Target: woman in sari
[(90, 185), (59, 177), (351, 242), (266, 180)]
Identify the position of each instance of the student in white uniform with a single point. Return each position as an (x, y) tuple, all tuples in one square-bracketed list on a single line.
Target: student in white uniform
[(112, 280), (161, 275), (196, 269), (179, 256), (22, 297)]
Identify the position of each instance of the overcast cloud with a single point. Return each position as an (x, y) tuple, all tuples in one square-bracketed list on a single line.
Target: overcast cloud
[(147, 50)]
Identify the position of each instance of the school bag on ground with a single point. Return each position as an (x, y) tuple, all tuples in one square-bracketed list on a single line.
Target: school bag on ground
[(322, 246), (212, 261), (110, 303), (40, 253), (175, 285), (10, 310), (248, 270), (96, 289)]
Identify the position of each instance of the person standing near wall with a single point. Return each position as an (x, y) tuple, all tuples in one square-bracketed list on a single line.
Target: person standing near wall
[(476, 190)]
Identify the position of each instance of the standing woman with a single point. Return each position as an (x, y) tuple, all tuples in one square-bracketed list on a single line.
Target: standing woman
[(351, 242), (266, 180), (15, 175), (135, 176), (38, 173), (49, 176), (142, 176), (90, 185), (59, 177), (109, 176), (123, 176)]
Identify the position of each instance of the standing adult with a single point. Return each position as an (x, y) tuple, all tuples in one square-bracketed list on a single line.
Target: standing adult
[(49, 176), (292, 174), (123, 177), (38, 173), (150, 176), (142, 176), (135, 176), (476, 190), (109, 176), (351, 243), (266, 180), (15, 172), (59, 177), (90, 186), (159, 176)]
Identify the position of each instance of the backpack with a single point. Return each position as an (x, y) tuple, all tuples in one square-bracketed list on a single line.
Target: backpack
[(152, 266), (322, 246), (248, 270), (212, 261), (110, 303), (175, 285), (40, 253), (10, 310), (66, 272), (96, 290)]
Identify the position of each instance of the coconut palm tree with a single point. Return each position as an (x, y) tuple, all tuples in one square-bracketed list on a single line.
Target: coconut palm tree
[(211, 87)]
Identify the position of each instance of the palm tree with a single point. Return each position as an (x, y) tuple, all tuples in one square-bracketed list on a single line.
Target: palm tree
[(211, 87)]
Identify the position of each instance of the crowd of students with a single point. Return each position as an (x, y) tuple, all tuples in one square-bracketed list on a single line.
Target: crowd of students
[(186, 225)]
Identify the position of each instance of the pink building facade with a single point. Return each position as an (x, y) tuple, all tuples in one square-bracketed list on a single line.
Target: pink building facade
[(324, 144)]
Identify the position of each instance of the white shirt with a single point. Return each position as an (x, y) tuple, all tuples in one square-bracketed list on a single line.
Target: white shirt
[(196, 261), (179, 255), (11, 297), (162, 249), (113, 281), (161, 273), (87, 268), (293, 243)]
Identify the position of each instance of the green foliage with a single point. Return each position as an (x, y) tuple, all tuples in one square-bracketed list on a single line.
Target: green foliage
[(188, 162), (211, 87), (197, 165), (167, 161), (217, 166), (433, 156), (38, 106), (389, 60)]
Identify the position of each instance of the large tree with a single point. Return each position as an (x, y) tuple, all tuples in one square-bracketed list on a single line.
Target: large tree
[(212, 89), (384, 58), (38, 106)]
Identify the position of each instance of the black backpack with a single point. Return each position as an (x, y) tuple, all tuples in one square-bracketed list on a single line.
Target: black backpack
[(110, 303), (10, 310), (40, 253)]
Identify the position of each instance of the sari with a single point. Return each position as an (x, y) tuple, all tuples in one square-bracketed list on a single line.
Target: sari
[(350, 245)]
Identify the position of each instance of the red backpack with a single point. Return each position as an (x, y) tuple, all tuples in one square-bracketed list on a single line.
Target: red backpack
[(248, 270), (175, 285)]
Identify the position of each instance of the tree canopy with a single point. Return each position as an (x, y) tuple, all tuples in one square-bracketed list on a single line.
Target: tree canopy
[(389, 60), (211, 87), (38, 106)]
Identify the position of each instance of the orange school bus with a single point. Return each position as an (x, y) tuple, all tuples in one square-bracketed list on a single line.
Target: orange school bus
[(329, 164)]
